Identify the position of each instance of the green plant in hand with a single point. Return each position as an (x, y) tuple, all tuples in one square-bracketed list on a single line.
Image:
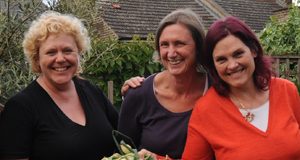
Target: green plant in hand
[(128, 153)]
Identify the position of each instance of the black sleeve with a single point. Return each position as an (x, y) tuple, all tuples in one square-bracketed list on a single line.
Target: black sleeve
[(16, 129), (96, 95), (110, 110), (129, 116)]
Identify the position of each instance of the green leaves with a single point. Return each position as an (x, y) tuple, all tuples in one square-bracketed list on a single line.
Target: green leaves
[(118, 61), (282, 37), (14, 70)]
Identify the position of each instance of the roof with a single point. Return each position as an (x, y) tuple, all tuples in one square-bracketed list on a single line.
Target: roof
[(254, 12), (140, 17), (143, 16)]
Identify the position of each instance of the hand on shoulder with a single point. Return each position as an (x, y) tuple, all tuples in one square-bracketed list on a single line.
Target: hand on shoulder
[(133, 82)]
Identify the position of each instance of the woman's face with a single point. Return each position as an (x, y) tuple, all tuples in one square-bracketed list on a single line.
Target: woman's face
[(58, 59), (177, 49), (234, 62)]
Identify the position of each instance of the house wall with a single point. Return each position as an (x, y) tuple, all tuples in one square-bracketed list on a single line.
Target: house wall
[(281, 14)]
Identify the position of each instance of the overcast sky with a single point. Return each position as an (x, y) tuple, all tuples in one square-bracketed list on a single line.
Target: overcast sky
[(296, 1)]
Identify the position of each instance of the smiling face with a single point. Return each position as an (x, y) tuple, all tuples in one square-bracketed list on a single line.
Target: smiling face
[(58, 59), (177, 49), (234, 62)]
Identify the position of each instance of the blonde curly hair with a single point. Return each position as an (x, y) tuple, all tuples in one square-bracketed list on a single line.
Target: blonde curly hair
[(53, 22)]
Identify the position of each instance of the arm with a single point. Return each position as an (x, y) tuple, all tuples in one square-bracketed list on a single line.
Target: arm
[(129, 117), (133, 82), (16, 130), (96, 97), (296, 102), (111, 113), (196, 147), (110, 110)]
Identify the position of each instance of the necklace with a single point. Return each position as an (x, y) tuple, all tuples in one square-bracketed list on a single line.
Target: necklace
[(248, 116)]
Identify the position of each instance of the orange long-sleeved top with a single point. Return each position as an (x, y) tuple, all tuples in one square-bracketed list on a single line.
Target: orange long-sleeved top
[(217, 128)]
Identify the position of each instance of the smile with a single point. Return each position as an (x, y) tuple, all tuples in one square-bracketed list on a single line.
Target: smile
[(174, 61), (60, 69), (236, 72)]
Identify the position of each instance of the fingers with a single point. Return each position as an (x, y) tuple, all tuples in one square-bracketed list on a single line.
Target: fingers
[(144, 154), (124, 89), (133, 82)]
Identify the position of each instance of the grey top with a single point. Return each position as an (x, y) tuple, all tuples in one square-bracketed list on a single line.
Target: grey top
[(150, 125)]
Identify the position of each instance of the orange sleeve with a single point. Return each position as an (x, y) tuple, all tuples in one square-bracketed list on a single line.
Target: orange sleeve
[(196, 146), (296, 105)]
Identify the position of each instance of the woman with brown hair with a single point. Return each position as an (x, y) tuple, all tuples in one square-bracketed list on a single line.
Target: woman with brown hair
[(156, 114)]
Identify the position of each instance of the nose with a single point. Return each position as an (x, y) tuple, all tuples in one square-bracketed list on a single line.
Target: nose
[(172, 51), (232, 64), (60, 57)]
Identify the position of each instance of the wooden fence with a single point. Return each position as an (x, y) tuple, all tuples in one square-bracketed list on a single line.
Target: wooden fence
[(110, 91), (288, 67)]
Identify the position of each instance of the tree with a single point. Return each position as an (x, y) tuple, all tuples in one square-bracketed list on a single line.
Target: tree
[(14, 19), (283, 37)]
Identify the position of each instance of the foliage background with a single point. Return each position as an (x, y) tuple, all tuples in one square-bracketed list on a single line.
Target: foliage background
[(14, 73), (112, 60), (282, 37)]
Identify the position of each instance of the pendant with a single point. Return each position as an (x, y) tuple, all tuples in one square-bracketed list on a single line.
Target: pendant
[(249, 116)]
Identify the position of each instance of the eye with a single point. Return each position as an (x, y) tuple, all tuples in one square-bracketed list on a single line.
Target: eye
[(67, 50), (220, 60), (51, 52), (179, 44), (164, 44), (238, 53)]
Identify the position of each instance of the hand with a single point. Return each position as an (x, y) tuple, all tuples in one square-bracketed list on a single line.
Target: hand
[(133, 82), (145, 153)]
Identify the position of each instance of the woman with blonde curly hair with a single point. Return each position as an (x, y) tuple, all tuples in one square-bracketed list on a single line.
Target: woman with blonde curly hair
[(58, 115)]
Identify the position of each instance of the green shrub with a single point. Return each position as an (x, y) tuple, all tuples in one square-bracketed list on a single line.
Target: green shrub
[(282, 37), (14, 73), (112, 60)]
